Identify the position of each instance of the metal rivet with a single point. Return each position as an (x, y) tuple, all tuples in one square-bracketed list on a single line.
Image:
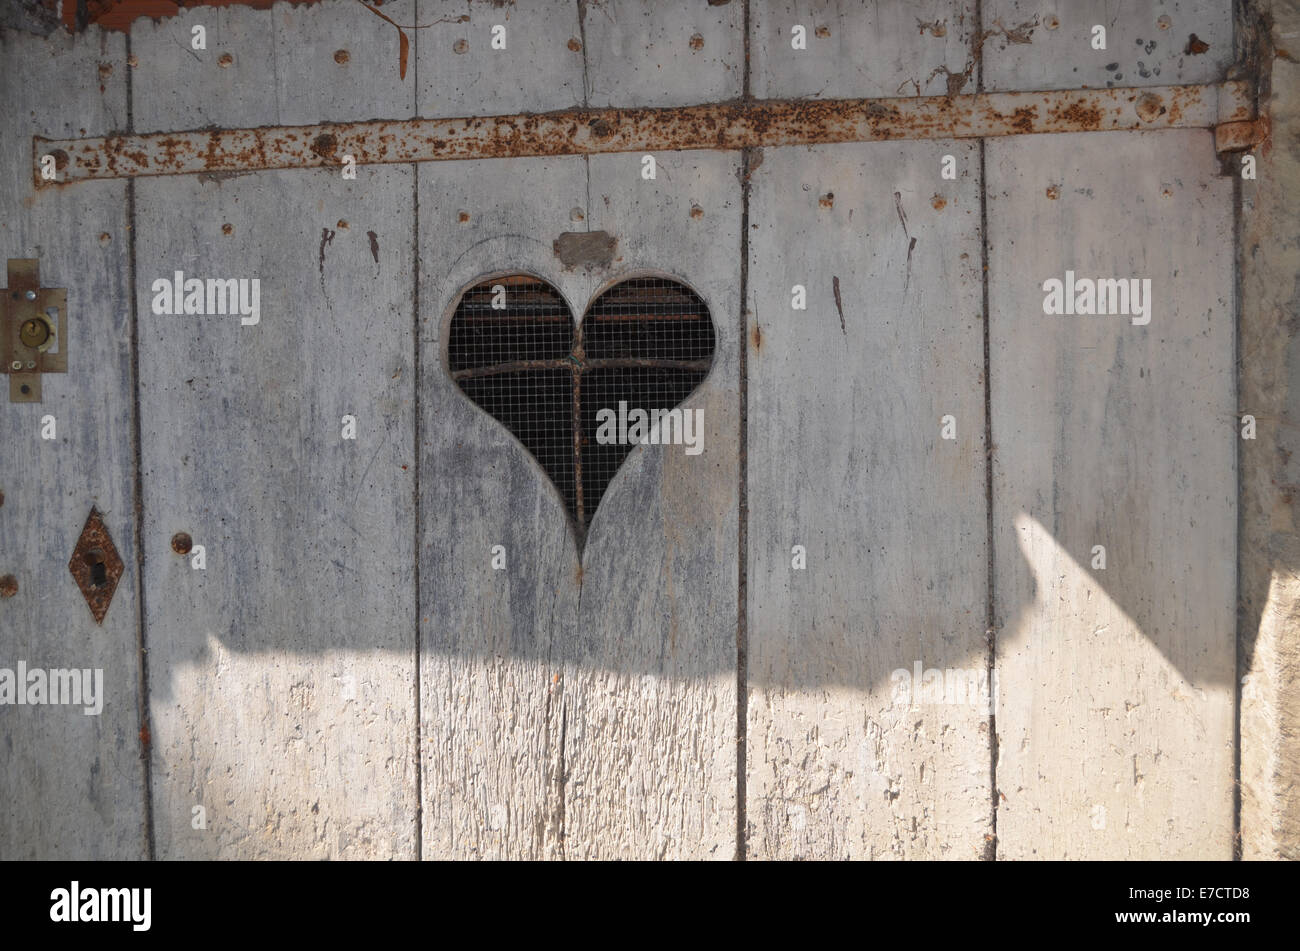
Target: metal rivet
[(182, 543), (30, 295), (16, 365)]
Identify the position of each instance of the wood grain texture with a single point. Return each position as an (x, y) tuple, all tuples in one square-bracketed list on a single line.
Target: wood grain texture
[(282, 674), (650, 690), (1115, 717), (270, 67), (857, 50), (492, 641), (1270, 469), (846, 460), (71, 785), (1021, 52), (663, 52), (461, 74), (547, 687)]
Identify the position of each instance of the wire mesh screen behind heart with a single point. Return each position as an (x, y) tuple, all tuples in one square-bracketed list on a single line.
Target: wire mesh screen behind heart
[(645, 343)]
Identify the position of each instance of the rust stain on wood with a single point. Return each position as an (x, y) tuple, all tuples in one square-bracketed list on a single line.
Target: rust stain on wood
[(120, 14)]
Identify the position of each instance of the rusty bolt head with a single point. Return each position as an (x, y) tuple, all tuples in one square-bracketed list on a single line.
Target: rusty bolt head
[(341, 57), (182, 543), (697, 42), (8, 586), (575, 44), (1150, 106), (225, 60), (462, 216), (227, 228), (461, 45)]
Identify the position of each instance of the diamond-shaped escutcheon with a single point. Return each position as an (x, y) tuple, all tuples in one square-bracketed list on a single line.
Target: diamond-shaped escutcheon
[(96, 566)]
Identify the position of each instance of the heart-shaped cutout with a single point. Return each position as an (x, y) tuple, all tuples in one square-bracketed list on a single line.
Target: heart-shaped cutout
[(513, 349)]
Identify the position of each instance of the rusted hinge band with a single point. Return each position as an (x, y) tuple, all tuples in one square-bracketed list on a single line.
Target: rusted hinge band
[(733, 125)]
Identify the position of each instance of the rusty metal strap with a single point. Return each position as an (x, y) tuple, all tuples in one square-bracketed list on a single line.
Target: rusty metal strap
[(732, 125)]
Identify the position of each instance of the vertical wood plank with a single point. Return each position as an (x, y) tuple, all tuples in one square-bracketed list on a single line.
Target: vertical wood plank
[(539, 69), (280, 66), (664, 52), (283, 673), (492, 641), (853, 49), (72, 785), (846, 459), (1030, 46), (1115, 717), (650, 690)]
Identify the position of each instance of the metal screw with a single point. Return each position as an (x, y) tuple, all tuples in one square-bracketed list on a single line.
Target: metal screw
[(30, 295)]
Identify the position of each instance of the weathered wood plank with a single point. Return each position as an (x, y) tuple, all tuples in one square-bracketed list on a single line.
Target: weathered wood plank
[(663, 52), (283, 673), (72, 785), (846, 460), (1269, 652), (1115, 717), (271, 67), (650, 688), (492, 641), (1148, 43), (853, 49), (539, 69)]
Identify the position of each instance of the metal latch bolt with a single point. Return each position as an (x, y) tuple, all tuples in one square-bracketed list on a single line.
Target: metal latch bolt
[(33, 330)]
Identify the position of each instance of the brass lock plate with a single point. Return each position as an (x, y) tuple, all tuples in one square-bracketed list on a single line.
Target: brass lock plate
[(33, 330)]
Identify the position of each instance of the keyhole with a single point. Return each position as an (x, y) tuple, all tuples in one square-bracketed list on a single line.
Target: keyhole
[(98, 570), (34, 333)]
